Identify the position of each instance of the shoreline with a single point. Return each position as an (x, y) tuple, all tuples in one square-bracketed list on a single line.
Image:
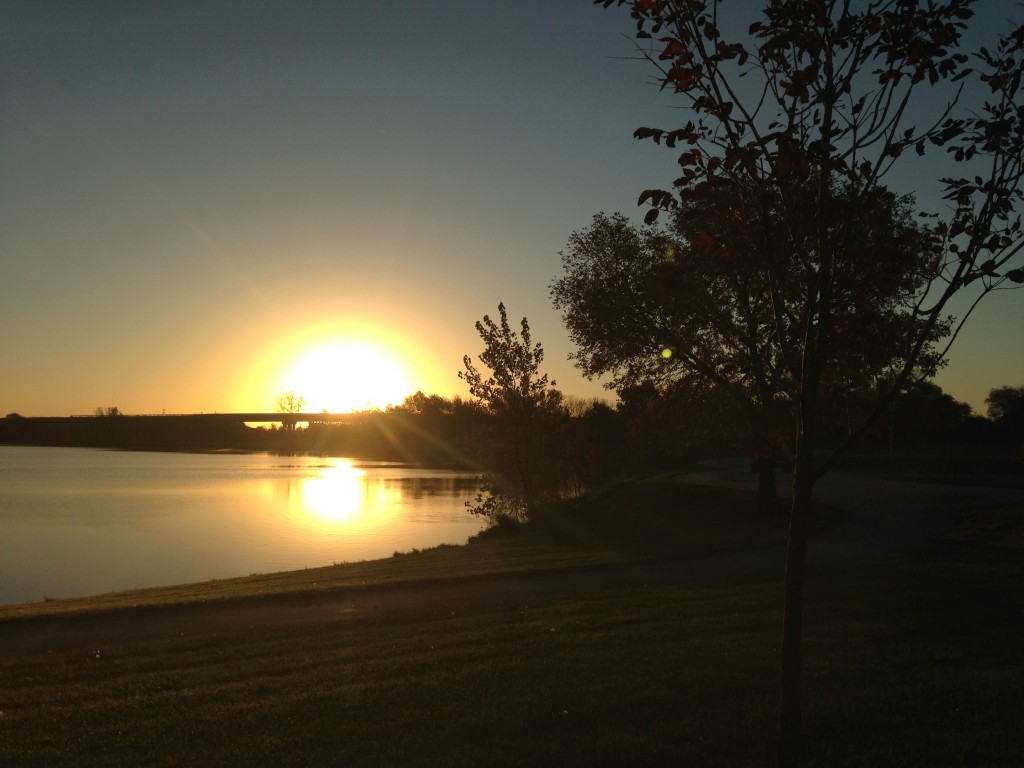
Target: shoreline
[(913, 513)]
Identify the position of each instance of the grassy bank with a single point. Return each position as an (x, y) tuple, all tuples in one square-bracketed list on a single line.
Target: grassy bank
[(910, 661), (645, 519)]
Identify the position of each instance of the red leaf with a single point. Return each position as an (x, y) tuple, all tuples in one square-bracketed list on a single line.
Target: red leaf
[(673, 49)]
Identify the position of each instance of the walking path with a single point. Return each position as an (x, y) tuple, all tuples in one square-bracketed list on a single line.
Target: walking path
[(883, 515)]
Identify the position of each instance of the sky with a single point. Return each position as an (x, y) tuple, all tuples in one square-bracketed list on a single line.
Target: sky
[(197, 198)]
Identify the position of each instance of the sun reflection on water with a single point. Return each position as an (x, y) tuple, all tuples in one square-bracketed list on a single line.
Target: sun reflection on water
[(345, 496), (337, 494)]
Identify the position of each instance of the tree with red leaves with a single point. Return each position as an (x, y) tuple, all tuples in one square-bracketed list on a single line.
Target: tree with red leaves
[(821, 95), (689, 312)]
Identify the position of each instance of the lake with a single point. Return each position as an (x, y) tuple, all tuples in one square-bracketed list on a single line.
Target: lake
[(76, 521)]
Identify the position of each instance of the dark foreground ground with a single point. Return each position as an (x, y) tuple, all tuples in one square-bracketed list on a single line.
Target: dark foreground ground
[(914, 637)]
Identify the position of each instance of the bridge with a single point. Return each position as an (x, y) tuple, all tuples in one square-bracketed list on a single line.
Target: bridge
[(160, 431), (288, 419), (291, 419)]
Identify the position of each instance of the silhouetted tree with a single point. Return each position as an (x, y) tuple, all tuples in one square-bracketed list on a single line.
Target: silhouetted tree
[(1006, 410), (925, 416), (289, 402), (633, 400), (589, 443), (689, 312), (433, 429), (110, 410), (825, 104), (517, 440)]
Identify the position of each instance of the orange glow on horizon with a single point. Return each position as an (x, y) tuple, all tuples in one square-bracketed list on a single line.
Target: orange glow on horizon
[(347, 376), (338, 369)]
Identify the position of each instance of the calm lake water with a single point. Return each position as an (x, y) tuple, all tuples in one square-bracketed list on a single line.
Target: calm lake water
[(79, 522)]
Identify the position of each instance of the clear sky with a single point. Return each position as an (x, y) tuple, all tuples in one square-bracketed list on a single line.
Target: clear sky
[(197, 196)]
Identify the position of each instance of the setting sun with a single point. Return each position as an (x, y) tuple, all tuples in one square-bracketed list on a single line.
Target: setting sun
[(347, 376)]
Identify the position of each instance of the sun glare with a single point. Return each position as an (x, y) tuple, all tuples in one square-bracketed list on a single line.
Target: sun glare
[(344, 377)]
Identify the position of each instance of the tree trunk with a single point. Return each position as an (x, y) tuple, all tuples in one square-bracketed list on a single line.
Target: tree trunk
[(767, 488), (792, 622), (892, 442)]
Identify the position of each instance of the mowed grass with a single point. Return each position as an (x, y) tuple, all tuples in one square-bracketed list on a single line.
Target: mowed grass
[(913, 660)]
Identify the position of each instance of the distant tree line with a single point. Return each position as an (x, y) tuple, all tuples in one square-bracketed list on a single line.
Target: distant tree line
[(534, 445), (142, 433), (576, 444)]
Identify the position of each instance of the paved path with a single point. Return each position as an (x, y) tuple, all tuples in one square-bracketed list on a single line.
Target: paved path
[(884, 515)]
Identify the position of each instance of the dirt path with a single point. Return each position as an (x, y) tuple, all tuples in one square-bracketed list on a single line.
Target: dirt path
[(884, 515)]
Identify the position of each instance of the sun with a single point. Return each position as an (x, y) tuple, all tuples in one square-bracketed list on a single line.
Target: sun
[(347, 376)]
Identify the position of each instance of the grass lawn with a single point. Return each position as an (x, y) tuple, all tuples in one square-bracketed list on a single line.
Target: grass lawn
[(916, 660)]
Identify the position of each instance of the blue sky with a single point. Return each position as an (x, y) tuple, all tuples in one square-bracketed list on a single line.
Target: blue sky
[(194, 193)]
